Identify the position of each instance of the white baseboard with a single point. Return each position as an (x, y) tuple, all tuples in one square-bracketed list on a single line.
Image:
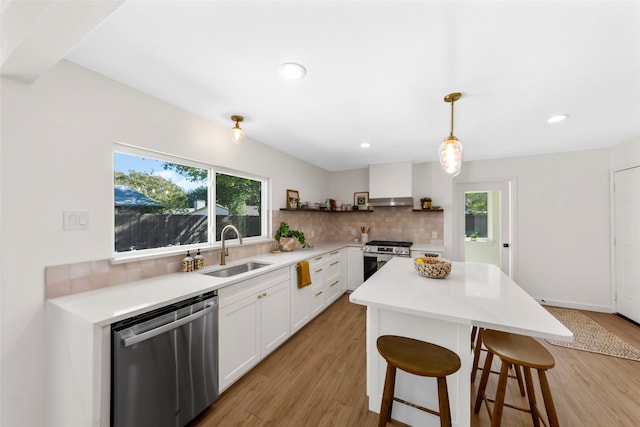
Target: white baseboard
[(574, 305)]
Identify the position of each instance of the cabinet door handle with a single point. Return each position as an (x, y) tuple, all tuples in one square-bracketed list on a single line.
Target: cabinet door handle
[(264, 294), (318, 258), (259, 296), (335, 283), (334, 263), (318, 270), (319, 293), (333, 253)]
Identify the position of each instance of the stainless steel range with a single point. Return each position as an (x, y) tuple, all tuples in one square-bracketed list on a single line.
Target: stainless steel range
[(378, 252)]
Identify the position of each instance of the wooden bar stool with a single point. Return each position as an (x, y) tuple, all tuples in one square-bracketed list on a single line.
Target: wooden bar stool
[(418, 358), (520, 351), (476, 345)]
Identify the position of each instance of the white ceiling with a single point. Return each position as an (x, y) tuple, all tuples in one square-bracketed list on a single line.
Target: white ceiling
[(378, 71)]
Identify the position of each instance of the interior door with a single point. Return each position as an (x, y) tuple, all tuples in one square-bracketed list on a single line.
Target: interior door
[(506, 189), (627, 242)]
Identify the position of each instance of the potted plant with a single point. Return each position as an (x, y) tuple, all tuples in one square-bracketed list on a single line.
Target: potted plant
[(426, 202), (474, 236), (286, 238)]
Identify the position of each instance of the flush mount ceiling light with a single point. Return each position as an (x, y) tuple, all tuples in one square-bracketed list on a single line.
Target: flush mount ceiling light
[(236, 132), (292, 71), (558, 118), (450, 151), (365, 145)]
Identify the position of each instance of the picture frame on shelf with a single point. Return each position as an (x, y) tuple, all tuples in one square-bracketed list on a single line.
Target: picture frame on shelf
[(293, 199), (361, 200)]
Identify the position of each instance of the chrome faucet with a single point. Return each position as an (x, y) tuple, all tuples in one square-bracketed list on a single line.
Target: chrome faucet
[(225, 251)]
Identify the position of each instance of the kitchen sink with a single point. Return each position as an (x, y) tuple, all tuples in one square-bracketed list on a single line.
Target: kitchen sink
[(234, 270)]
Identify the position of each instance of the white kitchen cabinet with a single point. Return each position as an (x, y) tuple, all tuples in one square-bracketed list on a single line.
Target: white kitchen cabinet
[(333, 278), (317, 266), (355, 270), (254, 320), (274, 317), (327, 284), (300, 302)]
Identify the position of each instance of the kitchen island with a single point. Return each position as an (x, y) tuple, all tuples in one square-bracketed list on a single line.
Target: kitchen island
[(443, 311)]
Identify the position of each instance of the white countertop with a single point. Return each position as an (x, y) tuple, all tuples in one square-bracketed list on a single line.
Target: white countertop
[(419, 247), (108, 305), (480, 294)]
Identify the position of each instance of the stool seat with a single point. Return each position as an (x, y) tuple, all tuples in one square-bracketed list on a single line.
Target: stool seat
[(418, 357), (518, 349)]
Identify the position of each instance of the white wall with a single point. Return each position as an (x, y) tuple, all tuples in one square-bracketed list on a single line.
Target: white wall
[(57, 136), (562, 225), (343, 184), (625, 155)]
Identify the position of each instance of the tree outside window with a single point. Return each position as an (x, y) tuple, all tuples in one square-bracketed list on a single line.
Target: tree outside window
[(476, 214)]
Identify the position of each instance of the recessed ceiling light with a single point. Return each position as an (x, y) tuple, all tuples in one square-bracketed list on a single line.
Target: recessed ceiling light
[(558, 118), (292, 71), (365, 145)]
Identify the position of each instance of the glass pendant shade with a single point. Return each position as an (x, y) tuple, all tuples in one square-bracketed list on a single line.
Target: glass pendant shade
[(236, 134), (450, 155)]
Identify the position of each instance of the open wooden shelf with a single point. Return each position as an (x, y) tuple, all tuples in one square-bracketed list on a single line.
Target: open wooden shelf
[(322, 210), (428, 210)]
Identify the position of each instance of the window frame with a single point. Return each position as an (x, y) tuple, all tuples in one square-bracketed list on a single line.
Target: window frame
[(211, 244)]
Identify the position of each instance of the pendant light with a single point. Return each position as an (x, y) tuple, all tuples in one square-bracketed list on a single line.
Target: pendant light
[(450, 151), (236, 132)]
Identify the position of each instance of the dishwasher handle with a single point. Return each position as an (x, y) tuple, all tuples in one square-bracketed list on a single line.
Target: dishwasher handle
[(135, 339)]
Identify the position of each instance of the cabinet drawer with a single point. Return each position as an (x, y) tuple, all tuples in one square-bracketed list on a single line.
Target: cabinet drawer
[(333, 289), (317, 261), (332, 256), (237, 291), (332, 269)]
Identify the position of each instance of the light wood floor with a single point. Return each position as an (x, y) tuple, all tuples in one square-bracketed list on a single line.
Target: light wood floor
[(317, 378)]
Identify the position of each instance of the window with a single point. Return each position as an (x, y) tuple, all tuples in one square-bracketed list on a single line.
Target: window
[(239, 202), (477, 214), (161, 202)]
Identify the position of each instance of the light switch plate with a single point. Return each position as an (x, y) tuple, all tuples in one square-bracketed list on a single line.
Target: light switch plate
[(434, 234), (76, 220)]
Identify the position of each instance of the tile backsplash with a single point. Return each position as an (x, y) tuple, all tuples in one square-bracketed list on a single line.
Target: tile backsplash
[(393, 223), (318, 227)]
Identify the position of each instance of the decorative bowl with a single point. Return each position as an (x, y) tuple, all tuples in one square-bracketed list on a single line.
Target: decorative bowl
[(433, 267)]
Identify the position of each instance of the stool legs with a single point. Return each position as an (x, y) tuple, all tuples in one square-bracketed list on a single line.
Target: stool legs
[(477, 349), (443, 402), (548, 400), (387, 396), (498, 405), (531, 395), (483, 382)]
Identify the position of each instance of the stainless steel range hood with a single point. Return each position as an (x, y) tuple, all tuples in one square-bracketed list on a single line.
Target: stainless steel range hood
[(390, 184), (391, 201)]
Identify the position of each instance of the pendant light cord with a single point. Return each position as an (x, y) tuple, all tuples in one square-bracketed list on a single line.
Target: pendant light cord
[(452, 101)]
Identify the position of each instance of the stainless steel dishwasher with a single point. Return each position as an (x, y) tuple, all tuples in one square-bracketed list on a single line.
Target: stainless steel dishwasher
[(164, 364)]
